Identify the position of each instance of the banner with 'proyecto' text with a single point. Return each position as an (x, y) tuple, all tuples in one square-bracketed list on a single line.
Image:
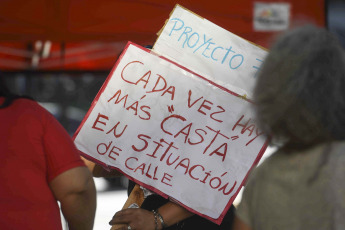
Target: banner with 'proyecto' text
[(173, 132), (211, 51)]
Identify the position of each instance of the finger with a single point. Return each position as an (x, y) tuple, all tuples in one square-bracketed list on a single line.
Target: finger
[(120, 227), (121, 217), (118, 222), (124, 212)]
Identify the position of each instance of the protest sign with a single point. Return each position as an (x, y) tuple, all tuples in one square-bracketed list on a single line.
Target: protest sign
[(173, 132), (210, 51)]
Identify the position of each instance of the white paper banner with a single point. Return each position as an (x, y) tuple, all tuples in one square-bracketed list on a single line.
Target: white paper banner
[(210, 51), (173, 132)]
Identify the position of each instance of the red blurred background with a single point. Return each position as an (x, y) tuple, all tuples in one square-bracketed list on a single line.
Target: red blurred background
[(88, 35)]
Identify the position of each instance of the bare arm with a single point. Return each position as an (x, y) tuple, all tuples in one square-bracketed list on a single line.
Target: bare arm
[(99, 171), (76, 192), (141, 219), (173, 213)]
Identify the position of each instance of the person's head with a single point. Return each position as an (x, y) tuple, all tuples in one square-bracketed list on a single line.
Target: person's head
[(299, 95)]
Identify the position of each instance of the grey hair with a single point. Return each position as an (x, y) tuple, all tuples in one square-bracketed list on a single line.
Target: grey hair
[(299, 95)]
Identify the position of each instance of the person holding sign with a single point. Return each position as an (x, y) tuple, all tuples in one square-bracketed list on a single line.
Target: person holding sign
[(39, 166), (300, 101), (155, 212)]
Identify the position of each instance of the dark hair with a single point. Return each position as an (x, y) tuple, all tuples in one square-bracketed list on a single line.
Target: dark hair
[(299, 94)]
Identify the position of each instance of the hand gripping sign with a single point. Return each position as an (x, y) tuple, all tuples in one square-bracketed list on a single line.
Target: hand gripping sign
[(173, 132)]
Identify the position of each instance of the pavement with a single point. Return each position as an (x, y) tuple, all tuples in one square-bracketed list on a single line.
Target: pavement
[(109, 201)]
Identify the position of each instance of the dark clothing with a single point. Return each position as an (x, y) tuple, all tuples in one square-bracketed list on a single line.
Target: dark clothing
[(155, 201)]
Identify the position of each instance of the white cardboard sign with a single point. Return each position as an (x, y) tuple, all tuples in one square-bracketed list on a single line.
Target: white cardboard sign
[(210, 51), (172, 131)]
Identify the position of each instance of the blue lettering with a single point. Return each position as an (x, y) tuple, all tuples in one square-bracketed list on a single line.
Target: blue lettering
[(257, 67), (203, 43), (207, 48), (192, 39), (218, 47), (196, 42), (227, 53), (186, 33), (176, 21), (237, 55)]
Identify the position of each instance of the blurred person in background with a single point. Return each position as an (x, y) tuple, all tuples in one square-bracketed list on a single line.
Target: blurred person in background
[(300, 101), (40, 166), (142, 217)]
